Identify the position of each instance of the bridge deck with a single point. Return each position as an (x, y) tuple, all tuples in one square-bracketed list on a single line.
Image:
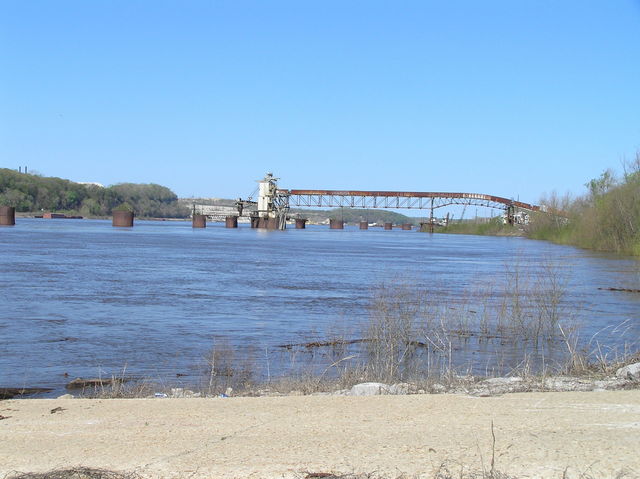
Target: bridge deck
[(397, 199)]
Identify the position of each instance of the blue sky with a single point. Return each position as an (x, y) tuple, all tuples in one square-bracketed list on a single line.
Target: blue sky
[(512, 98)]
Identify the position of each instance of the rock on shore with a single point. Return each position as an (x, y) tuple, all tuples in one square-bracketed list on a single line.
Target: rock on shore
[(630, 372)]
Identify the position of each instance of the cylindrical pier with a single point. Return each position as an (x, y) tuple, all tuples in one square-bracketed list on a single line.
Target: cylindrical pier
[(301, 223), (336, 224), (364, 225), (388, 226), (7, 216), (231, 222), (123, 218), (406, 226), (264, 223), (199, 221)]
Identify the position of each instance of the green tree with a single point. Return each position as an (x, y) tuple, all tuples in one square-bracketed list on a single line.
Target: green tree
[(29, 192), (601, 185)]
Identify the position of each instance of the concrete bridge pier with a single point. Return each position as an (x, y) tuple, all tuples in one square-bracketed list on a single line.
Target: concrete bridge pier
[(231, 222), (406, 226), (122, 219), (265, 223), (388, 226), (336, 224), (364, 225), (199, 221), (301, 223), (7, 216)]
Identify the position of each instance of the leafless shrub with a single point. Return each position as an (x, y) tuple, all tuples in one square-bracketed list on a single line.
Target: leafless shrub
[(414, 333), (518, 324), (223, 370), (391, 332), (118, 390), (119, 386)]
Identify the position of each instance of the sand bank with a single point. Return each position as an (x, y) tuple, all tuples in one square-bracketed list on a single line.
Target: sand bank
[(537, 435)]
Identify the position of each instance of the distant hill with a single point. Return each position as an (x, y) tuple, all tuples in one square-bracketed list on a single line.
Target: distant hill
[(355, 215), (35, 193)]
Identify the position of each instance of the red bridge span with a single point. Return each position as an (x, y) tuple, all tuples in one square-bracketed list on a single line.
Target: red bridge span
[(396, 199), (272, 208)]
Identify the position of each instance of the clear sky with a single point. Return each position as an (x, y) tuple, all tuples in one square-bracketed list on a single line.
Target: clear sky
[(514, 98)]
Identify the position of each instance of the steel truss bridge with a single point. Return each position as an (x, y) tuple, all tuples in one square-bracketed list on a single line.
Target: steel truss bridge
[(271, 209), (396, 199)]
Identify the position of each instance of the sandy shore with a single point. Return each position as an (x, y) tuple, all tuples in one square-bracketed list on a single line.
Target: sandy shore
[(537, 435)]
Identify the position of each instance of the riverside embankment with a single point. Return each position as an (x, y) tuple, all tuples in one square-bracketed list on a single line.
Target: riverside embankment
[(544, 435)]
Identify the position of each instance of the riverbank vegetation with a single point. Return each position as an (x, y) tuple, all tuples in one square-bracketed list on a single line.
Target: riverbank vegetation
[(518, 325), (30, 193), (481, 226), (607, 218)]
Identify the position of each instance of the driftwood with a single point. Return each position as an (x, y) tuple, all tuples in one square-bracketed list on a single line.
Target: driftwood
[(321, 344), (80, 383), (625, 290), (8, 393), (341, 342)]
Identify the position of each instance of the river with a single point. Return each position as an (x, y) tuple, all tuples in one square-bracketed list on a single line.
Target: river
[(80, 298)]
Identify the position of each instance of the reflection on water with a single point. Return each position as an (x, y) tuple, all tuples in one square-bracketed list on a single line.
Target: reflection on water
[(83, 298)]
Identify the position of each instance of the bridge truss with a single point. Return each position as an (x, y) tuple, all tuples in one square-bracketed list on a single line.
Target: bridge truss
[(397, 200), (271, 209)]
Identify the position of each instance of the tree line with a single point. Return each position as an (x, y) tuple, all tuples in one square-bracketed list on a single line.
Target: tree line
[(606, 218), (354, 215), (35, 193)]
